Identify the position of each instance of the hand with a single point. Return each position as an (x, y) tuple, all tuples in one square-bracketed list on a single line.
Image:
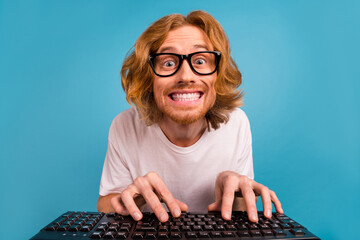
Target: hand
[(227, 183), (148, 189)]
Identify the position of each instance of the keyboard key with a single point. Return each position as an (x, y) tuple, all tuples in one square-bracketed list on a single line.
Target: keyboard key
[(51, 227), (267, 232), (122, 235), (297, 232), (145, 228), (174, 228), (220, 228), (110, 234), (264, 226), (162, 235), (285, 226), (253, 226), (203, 234), (163, 228), (175, 235), (228, 234), (85, 228), (279, 233), (216, 234), (255, 233), (138, 235), (197, 228), (63, 227), (230, 227), (275, 226), (74, 228), (186, 228), (295, 225), (191, 235), (208, 228), (243, 233), (242, 227), (125, 229), (97, 234)]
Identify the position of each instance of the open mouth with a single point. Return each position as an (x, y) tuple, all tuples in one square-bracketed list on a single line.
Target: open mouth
[(186, 97)]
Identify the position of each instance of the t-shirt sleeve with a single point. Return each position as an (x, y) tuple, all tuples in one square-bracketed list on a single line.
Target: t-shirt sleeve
[(245, 161), (116, 175)]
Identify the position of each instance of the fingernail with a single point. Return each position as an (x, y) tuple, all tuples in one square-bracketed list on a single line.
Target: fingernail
[(176, 212), (162, 217), (137, 216), (227, 215), (268, 213), (253, 216)]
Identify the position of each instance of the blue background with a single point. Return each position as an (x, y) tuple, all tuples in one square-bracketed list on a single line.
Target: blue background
[(60, 89)]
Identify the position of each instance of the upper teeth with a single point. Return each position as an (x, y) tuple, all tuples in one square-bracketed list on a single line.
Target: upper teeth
[(185, 96)]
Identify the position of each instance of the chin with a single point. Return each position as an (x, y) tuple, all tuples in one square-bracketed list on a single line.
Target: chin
[(187, 118)]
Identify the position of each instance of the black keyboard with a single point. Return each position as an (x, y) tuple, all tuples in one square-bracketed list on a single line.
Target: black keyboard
[(97, 225)]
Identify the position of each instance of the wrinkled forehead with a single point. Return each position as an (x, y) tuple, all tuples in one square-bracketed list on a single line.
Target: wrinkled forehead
[(186, 39)]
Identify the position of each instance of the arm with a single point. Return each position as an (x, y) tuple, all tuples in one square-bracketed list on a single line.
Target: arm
[(104, 203)]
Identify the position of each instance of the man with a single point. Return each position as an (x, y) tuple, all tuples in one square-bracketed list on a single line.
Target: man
[(186, 144)]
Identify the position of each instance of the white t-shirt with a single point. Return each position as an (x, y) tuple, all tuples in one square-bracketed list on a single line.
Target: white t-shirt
[(136, 149)]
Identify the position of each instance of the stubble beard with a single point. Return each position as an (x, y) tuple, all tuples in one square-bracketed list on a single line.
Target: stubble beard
[(184, 116)]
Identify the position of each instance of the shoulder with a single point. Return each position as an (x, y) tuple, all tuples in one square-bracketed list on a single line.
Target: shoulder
[(128, 115), (238, 116), (125, 123)]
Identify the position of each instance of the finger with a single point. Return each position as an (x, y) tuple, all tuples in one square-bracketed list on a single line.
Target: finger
[(265, 197), (164, 194), (250, 202), (227, 201), (118, 206), (218, 188), (154, 203), (183, 206), (276, 202), (127, 197), (146, 189)]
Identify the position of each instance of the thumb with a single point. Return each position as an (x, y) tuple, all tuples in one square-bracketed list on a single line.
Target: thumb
[(215, 206)]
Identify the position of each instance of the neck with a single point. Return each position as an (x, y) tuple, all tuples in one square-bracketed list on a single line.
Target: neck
[(183, 135)]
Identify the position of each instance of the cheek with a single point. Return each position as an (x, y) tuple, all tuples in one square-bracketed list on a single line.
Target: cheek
[(158, 91)]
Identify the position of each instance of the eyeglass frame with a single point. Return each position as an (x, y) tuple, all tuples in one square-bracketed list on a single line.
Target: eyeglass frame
[(183, 57)]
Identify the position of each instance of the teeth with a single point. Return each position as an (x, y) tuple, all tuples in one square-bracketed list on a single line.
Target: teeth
[(185, 96)]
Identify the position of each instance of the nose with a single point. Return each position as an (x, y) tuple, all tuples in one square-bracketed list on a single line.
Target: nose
[(186, 74)]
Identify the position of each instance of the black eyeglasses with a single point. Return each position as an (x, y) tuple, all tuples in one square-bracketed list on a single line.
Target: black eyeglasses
[(167, 64)]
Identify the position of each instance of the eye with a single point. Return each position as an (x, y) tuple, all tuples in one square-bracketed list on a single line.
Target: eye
[(169, 63), (199, 61)]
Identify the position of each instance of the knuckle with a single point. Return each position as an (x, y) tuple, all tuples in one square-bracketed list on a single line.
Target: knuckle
[(126, 192), (264, 190), (230, 178), (244, 179), (152, 174), (139, 181)]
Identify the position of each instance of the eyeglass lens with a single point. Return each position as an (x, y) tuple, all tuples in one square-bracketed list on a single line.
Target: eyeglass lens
[(167, 64)]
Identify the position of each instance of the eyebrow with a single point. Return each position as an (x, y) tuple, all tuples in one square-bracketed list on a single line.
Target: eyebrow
[(170, 48)]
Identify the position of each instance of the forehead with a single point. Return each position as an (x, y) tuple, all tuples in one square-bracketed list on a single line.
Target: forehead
[(186, 39)]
